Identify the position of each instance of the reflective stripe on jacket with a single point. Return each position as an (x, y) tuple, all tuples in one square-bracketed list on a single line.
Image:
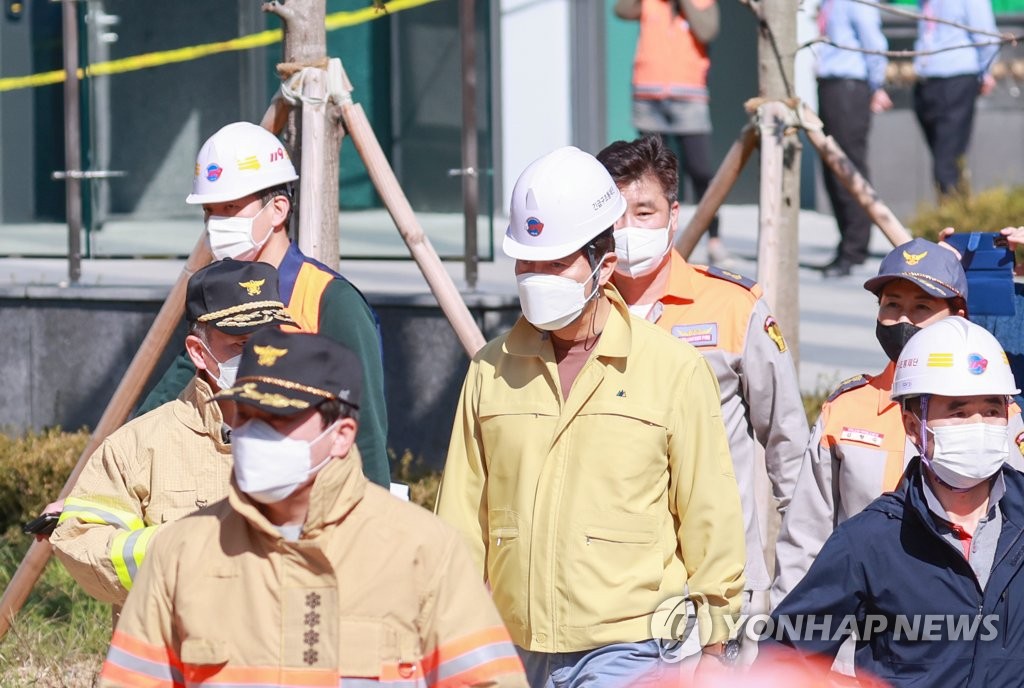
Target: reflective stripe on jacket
[(157, 468), (585, 513), (375, 592)]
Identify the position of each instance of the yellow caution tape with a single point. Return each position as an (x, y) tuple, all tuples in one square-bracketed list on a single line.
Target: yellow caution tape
[(333, 21)]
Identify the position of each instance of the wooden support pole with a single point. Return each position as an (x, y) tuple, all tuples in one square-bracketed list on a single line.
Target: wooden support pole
[(858, 186), (777, 249), (717, 191), (120, 405), (383, 177), (72, 141), (313, 241)]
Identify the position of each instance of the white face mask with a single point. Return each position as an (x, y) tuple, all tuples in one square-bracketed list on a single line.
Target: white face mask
[(551, 302), (228, 369), (270, 466), (640, 250), (968, 454), (231, 237)]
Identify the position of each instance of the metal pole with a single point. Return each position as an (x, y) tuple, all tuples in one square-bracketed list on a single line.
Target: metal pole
[(72, 140), (470, 174)]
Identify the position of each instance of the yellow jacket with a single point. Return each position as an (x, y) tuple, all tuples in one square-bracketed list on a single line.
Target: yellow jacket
[(585, 513), (157, 468), (375, 591)]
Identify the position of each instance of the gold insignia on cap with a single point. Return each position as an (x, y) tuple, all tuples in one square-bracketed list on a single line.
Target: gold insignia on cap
[(914, 258), (253, 286), (268, 355)]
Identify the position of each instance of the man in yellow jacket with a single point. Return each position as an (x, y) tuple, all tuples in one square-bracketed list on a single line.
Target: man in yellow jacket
[(175, 459), (589, 467), (307, 574)]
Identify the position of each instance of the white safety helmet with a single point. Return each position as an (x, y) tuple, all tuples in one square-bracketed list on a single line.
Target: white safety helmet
[(560, 202), (953, 358), (240, 159)]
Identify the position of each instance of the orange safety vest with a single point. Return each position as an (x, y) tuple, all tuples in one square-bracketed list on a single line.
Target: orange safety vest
[(670, 62), (304, 304)]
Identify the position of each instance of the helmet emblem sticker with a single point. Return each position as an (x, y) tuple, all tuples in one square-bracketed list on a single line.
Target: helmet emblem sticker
[(534, 226), (976, 364), (213, 172)]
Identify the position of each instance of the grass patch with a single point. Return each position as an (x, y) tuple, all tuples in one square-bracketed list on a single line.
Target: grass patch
[(984, 211)]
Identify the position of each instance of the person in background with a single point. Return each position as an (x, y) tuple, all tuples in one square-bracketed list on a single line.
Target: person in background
[(670, 87), (242, 180), (175, 459), (724, 316), (850, 90), (949, 82)]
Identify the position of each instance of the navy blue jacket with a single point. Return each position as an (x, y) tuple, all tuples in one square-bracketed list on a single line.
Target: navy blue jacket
[(890, 560)]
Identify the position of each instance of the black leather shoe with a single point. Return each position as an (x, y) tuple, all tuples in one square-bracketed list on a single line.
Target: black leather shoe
[(837, 268)]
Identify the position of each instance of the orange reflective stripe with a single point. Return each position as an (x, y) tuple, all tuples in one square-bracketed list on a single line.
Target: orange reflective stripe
[(304, 306), (139, 648), (261, 676), (467, 643), (119, 676), (482, 673)]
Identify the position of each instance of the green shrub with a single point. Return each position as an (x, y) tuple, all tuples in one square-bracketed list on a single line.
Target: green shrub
[(422, 480), (33, 469), (985, 211)]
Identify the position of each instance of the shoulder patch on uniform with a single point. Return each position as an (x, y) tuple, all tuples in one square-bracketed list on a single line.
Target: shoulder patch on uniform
[(848, 384), (733, 277), (774, 332)]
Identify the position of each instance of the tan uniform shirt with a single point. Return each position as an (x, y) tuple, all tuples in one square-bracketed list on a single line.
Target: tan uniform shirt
[(157, 468)]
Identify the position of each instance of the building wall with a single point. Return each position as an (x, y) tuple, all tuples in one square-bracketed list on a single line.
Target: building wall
[(67, 350)]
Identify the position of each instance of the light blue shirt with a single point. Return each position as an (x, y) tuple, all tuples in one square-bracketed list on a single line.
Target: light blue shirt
[(856, 25), (930, 36)]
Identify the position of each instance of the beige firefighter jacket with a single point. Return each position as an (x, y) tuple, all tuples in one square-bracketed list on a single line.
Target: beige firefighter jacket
[(157, 468), (376, 591)]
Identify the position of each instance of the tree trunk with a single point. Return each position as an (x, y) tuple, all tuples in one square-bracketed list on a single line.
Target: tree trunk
[(777, 255), (305, 45)]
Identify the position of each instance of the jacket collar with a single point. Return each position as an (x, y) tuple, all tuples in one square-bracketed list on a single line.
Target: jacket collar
[(198, 412), (909, 494), (337, 489), (883, 383), (681, 276), (526, 340)]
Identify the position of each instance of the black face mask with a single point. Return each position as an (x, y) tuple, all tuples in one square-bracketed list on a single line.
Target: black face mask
[(894, 337)]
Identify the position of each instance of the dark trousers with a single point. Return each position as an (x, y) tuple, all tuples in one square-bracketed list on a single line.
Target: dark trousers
[(694, 151), (845, 109), (945, 111)]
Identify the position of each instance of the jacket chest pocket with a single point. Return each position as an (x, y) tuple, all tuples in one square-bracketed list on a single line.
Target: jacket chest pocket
[(515, 434), (170, 504), (624, 444), (861, 477), (370, 649)]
